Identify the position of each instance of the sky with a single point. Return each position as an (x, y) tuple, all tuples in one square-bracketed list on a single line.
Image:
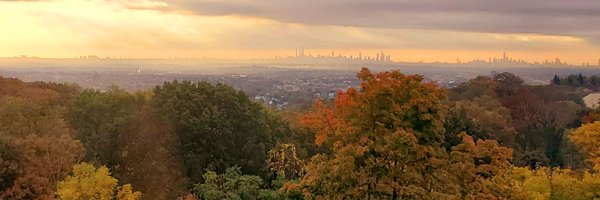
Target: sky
[(424, 30)]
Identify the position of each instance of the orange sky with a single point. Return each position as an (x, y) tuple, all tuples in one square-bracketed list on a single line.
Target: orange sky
[(147, 28)]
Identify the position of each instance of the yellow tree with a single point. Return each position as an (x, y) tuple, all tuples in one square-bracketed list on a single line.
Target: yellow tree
[(556, 183), (481, 170), (89, 182), (126, 193), (284, 162), (587, 139)]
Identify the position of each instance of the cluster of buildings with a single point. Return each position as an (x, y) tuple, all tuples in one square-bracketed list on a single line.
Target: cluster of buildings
[(301, 55)]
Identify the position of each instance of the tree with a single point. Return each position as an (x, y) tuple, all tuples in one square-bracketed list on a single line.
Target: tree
[(580, 80), (526, 111), (482, 169), (556, 183), (126, 192), (89, 182), (480, 86), (149, 157), (457, 122), (232, 185), (218, 127), (587, 138), (45, 147), (556, 80), (490, 119), (386, 140), (388, 143), (594, 80), (9, 165), (508, 79), (554, 120), (16, 88), (284, 161), (100, 120), (123, 131), (508, 84)]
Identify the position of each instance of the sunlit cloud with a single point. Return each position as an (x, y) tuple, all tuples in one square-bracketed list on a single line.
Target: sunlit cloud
[(239, 28)]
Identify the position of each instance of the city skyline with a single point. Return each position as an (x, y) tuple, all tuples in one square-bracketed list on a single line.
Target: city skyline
[(303, 55), (428, 31)]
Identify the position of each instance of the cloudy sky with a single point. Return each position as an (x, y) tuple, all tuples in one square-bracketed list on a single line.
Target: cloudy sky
[(424, 30)]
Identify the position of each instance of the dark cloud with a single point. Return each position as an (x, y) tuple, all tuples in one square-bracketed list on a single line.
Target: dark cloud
[(552, 17)]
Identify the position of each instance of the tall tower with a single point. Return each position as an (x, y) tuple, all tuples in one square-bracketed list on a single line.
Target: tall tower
[(504, 56)]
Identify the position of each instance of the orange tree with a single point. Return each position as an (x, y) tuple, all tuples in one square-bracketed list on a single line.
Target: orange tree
[(387, 143)]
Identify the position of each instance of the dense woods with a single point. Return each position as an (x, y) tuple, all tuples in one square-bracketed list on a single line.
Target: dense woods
[(394, 137)]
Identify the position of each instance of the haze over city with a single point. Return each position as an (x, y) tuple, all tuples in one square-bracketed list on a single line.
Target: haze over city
[(429, 31), (299, 99)]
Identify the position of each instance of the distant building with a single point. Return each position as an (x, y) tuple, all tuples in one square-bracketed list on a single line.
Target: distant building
[(331, 94), (592, 100), (290, 88)]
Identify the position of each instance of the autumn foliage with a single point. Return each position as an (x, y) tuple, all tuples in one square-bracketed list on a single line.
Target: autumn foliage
[(387, 139), (396, 136)]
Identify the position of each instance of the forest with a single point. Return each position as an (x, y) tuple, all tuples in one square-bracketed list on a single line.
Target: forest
[(395, 137)]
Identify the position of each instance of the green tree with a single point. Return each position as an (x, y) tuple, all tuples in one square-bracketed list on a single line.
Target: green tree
[(101, 119), (123, 131), (480, 86), (556, 80), (457, 122), (232, 185), (218, 127), (491, 119)]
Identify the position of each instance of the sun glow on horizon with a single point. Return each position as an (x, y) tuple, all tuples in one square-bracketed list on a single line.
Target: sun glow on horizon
[(69, 28)]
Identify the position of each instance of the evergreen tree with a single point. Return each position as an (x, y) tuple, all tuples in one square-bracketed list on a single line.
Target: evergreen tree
[(580, 79), (556, 80)]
